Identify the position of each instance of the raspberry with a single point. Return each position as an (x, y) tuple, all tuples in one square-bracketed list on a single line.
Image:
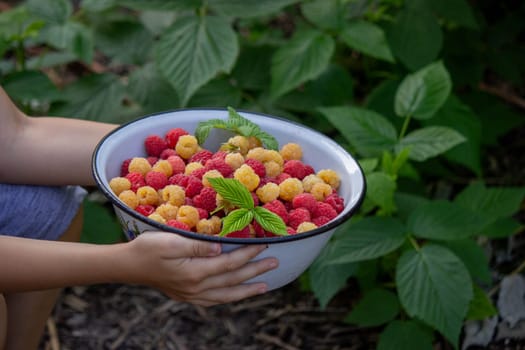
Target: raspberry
[(220, 165), (199, 173), (145, 209), (277, 207), (172, 136), (295, 168), (129, 198), (210, 174), (148, 195), (337, 202), (260, 232), (154, 145), (220, 155), (190, 167), (178, 224), (178, 165), (201, 156), (187, 146), (179, 179), (211, 226), (119, 184), (325, 209), (193, 187), (244, 233), (235, 160), (188, 215), (330, 177), (136, 180), (320, 220), (139, 165), (308, 170), (290, 230), (281, 177), (306, 226), (257, 153), (157, 217), (163, 166), (268, 192), (167, 211), (305, 200), (203, 213), (321, 190), (173, 194), (297, 217), (152, 160), (168, 152), (236, 143), (272, 168), (255, 199), (247, 177), (156, 179), (310, 180), (257, 166), (290, 188), (124, 168), (291, 151), (206, 199)]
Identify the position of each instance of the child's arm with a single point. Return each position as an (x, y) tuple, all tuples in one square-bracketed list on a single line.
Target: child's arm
[(185, 270)]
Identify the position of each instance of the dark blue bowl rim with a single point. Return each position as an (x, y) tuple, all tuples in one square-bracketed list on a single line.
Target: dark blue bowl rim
[(225, 240)]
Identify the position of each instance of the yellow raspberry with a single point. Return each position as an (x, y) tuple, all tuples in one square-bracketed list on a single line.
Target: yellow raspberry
[(254, 142), (139, 165), (188, 215), (187, 146), (236, 143), (235, 160), (272, 168), (210, 173), (247, 177), (119, 184), (321, 190), (257, 153), (330, 177), (190, 167), (273, 155), (310, 180), (147, 195), (291, 151), (211, 226), (163, 166), (268, 192), (157, 217), (167, 211), (129, 198), (305, 226), (174, 195), (290, 188)]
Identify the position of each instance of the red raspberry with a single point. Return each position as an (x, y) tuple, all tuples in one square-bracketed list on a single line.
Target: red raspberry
[(179, 179), (220, 155), (257, 166), (201, 156), (244, 233), (295, 168), (219, 164), (154, 145), (193, 187), (124, 167), (277, 207), (290, 230), (172, 136), (168, 152), (297, 217), (281, 177), (206, 199), (320, 220), (305, 200), (152, 160), (136, 180), (325, 209), (188, 201), (177, 164), (178, 224), (156, 179), (198, 172), (203, 213), (337, 202), (260, 232), (145, 209), (255, 199), (308, 170)]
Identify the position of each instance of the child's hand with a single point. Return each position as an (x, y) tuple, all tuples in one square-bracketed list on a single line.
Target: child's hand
[(196, 271)]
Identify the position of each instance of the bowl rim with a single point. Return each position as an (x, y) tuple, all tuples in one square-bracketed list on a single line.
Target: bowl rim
[(225, 240)]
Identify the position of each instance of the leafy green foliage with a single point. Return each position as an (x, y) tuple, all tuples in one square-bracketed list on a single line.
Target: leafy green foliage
[(408, 87)]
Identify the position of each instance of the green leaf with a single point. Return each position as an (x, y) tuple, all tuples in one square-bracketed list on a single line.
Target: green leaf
[(203, 128), (481, 307), (406, 203), (270, 221), (52, 11), (369, 132), (236, 221), (474, 257), (217, 93), (28, 85), (406, 335), (303, 58), (378, 306), (326, 14), (422, 93), (380, 189), (72, 36), (368, 38), (435, 287), (457, 11), (252, 69), (368, 164), (369, 238), (425, 143), (160, 4), (443, 220), (233, 191), (502, 228), (194, 50), (415, 37), (248, 8), (100, 226)]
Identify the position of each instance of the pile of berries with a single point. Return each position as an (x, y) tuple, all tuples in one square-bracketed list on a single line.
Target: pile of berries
[(170, 184)]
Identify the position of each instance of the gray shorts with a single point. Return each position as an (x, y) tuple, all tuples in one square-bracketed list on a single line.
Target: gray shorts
[(41, 212)]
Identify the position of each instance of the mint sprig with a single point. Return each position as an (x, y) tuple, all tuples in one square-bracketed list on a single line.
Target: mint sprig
[(234, 192), (238, 125)]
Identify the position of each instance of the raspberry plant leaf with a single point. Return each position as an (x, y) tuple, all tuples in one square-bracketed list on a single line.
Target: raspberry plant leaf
[(232, 191), (378, 306), (270, 221), (406, 335), (236, 220), (435, 286), (368, 38)]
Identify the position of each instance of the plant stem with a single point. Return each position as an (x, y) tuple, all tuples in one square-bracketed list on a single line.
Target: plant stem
[(405, 126), (414, 243), (20, 56)]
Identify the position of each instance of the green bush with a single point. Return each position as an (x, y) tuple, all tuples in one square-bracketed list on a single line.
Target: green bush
[(403, 85)]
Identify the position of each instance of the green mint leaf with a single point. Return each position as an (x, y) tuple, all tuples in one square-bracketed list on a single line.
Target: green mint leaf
[(233, 191), (236, 220), (203, 128), (268, 140), (270, 221)]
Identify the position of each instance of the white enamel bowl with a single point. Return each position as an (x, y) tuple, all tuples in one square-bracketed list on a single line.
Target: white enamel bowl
[(295, 252)]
